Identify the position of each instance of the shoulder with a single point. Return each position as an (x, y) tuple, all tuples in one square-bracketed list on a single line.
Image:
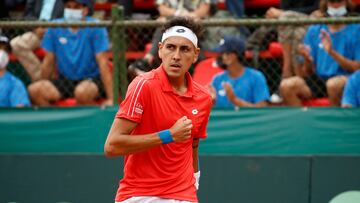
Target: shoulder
[(13, 79), (201, 91), (355, 76), (220, 76), (148, 79), (313, 29), (254, 72)]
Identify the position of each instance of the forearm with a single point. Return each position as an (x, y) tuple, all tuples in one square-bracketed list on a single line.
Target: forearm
[(166, 11), (202, 11), (308, 67), (347, 64), (242, 103), (47, 66), (196, 155), (106, 78), (128, 144)]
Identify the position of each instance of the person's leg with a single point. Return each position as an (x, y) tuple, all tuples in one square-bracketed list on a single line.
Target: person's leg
[(86, 92), (334, 88), (293, 90), (286, 67), (236, 7), (43, 92), (289, 38)]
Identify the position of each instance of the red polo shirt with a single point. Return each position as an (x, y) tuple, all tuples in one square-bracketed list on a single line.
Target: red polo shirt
[(164, 171)]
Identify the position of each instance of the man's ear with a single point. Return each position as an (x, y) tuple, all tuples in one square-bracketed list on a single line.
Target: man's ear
[(197, 52), (160, 45)]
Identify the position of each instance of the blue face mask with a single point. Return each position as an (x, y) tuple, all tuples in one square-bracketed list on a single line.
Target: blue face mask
[(73, 15)]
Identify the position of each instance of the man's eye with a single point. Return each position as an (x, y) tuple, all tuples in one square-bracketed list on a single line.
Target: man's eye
[(185, 49), (170, 47)]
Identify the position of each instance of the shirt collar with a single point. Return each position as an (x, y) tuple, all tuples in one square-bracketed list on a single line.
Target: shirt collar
[(166, 86)]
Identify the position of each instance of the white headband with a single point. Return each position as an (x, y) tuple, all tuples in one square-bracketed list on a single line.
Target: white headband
[(180, 31)]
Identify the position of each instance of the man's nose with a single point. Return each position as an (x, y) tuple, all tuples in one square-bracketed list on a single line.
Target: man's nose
[(176, 55)]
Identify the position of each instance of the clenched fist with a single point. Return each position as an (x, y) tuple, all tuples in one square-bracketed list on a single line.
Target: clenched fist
[(181, 130)]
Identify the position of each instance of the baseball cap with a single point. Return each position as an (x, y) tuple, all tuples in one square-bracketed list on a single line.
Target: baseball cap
[(4, 39), (231, 44)]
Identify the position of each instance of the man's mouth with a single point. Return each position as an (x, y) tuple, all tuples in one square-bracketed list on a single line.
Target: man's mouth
[(175, 65)]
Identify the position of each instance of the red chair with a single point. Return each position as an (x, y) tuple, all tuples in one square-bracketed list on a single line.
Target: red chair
[(317, 102), (205, 70)]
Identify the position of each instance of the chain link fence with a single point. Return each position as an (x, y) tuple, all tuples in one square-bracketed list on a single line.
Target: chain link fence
[(264, 49)]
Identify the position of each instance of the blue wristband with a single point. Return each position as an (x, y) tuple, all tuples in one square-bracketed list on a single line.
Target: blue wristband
[(165, 136)]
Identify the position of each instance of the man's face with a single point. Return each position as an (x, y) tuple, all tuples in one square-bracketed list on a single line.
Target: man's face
[(177, 54), (73, 5)]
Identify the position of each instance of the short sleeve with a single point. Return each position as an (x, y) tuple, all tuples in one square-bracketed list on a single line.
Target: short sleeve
[(202, 134), (349, 95), (19, 95), (261, 91), (100, 40), (134, 104)]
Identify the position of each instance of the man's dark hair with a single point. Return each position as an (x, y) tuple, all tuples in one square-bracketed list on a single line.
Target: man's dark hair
[(197, 28)]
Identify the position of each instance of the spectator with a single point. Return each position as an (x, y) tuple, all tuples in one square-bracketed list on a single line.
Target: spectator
[(288, 36), (326, 64), (43, 10), (351, 96), (170, 8), (238, 86), (23, 45), (81, 60), (12, 92), (291, 36)]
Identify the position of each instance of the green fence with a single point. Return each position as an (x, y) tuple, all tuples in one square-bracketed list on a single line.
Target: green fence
[(302, 131), (275, 155)]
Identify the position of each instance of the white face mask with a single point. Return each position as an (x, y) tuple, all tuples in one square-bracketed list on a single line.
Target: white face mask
[(4, 59), (337, 12), (73, 14)]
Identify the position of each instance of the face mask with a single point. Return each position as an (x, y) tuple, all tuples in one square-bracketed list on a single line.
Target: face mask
[(4, 59), (73, 14), (337, 12)]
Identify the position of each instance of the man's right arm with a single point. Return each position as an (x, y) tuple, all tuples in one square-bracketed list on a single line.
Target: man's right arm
[(120, 141), (47, 66)]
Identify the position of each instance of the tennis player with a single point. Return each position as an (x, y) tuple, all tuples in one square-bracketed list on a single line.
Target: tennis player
[(159, 123)]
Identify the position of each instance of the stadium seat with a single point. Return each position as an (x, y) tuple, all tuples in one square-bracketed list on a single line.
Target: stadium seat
[(317, 102), (205, 70)]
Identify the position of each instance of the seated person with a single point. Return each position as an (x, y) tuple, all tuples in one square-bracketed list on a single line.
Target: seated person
[(330, 53), (80, 58), (23, 45), (237, 86), (12, 92), (289, 36), (351, 96)]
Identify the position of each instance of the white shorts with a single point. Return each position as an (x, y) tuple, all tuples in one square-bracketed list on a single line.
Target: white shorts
[(151, 199)]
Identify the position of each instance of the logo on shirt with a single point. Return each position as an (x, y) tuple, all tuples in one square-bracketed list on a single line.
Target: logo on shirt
[(62, 40), (222, 92), (194, 111), (139, 108)]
